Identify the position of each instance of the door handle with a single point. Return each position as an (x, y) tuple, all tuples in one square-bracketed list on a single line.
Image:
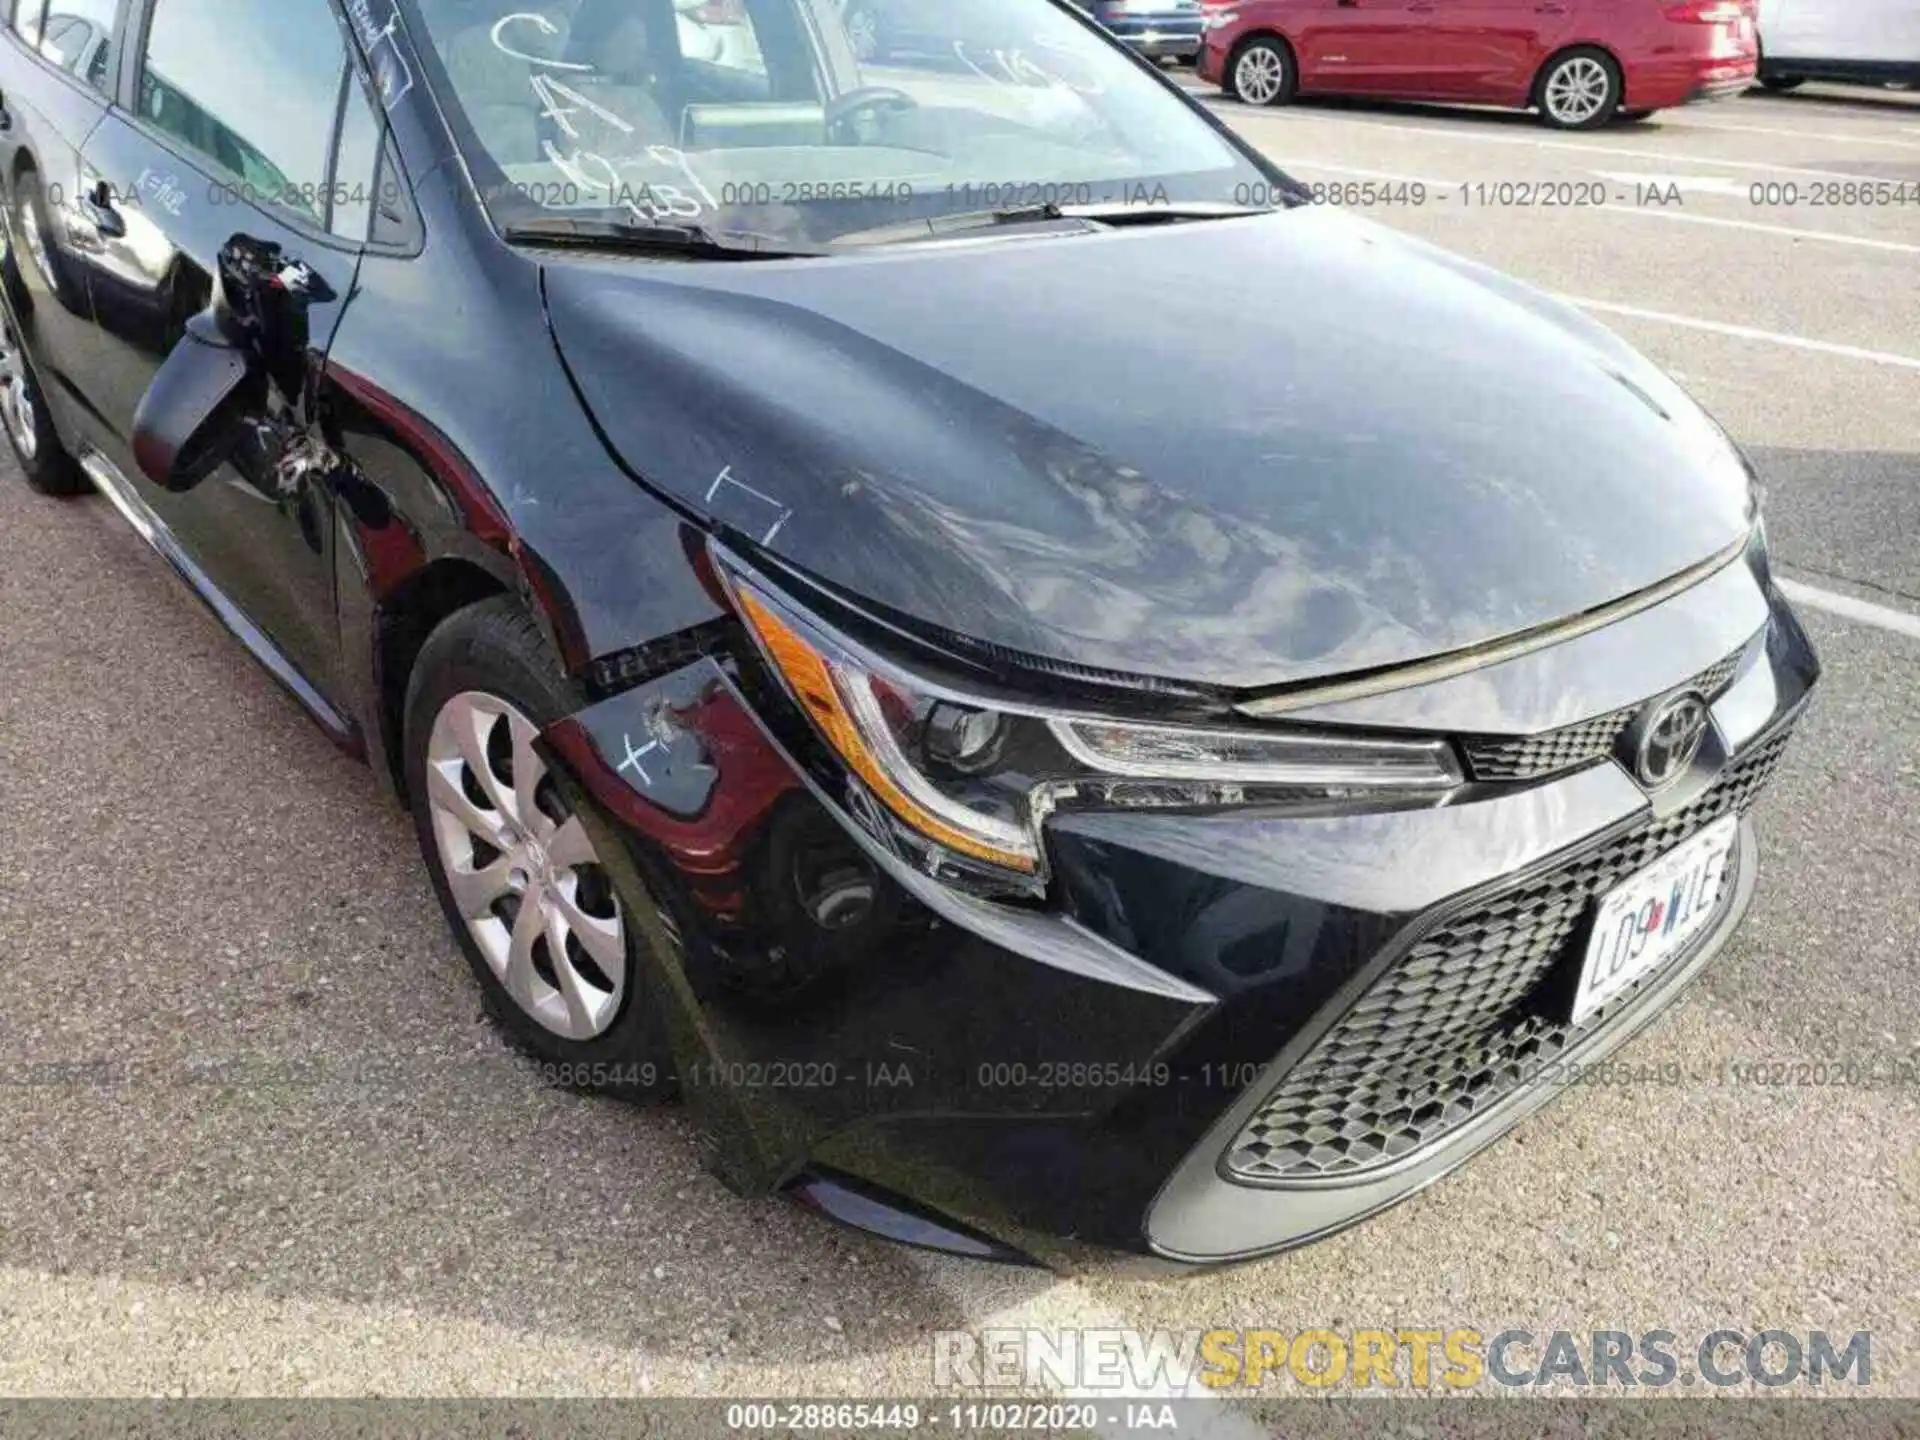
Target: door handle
[(97, 206)]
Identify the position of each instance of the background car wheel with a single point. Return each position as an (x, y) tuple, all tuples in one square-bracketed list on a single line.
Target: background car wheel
[(1261, 72), (1633, 117), (1579, 90), (531, 905), (1783, 82), (44, 462), (864, 32)]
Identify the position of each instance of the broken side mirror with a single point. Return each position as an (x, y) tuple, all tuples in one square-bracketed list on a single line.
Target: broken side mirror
[(189, 419), (252, 335)]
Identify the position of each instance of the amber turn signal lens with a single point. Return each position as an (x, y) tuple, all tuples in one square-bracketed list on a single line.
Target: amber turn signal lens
[(869, 750)]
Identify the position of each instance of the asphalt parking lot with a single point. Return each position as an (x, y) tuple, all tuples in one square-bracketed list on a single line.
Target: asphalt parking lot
[(325, 1178)]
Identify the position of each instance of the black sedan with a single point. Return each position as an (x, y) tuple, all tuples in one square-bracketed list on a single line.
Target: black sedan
[(712, 483)]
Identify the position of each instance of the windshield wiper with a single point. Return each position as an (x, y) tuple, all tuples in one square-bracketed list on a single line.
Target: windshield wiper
[(936, 227), (1127, 212), (662, 236), (1092, 217)]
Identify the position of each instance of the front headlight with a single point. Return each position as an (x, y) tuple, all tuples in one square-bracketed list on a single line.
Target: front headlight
[(1218, 19), (961, 787)]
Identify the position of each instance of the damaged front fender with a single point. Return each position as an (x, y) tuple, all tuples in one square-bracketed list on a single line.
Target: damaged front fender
[(810, 976)]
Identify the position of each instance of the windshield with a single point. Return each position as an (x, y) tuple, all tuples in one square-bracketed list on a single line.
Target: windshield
[(804, 120)]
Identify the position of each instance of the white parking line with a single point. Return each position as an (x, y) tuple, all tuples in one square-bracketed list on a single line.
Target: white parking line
[(1757, 227), (1391, 176), (1835, 136), (1669, 157), (1882, 617), (1747, 332), (1725, 186), (1760, 227)]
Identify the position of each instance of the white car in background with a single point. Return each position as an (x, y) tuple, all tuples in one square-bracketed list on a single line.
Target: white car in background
[(1872, 41)]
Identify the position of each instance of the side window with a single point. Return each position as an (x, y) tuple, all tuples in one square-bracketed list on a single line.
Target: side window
[(80, 36), (27, 17), (357, 172), (372, 202), (252, 88)]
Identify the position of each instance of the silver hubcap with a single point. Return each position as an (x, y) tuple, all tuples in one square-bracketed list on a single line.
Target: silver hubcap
[(1260, 75), (863, 31), (16, 395), (1577, 89), (523, 874)]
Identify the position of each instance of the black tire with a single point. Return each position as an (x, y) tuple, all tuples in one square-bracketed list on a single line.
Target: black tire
[(495, 647), (1277, 56), (1590, 61), (44, 462), (1783, 82)]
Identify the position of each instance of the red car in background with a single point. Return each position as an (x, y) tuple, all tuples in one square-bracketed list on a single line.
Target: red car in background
[(1580, 63)]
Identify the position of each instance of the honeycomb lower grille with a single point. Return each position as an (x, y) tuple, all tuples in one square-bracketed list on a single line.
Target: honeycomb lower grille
[(1530, 756), (1453, 1026)]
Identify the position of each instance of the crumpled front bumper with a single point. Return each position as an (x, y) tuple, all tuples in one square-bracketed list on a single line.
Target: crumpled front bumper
[(1078, 1072)]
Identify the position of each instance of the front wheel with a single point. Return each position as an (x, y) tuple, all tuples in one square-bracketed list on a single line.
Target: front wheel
[(1579, 90), (1262, 73), (44, 463), (1783, 82), (516, 869)]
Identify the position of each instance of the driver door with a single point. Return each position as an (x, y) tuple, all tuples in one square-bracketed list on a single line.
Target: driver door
[(238, 120)]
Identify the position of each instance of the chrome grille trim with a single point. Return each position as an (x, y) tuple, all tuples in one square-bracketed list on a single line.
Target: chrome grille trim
[(1527, 757)]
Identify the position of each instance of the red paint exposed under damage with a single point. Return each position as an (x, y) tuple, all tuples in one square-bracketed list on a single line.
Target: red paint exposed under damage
[(711, 851), (479, 512)]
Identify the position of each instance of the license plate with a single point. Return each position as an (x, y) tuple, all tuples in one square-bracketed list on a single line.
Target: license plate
[(1651, 917)]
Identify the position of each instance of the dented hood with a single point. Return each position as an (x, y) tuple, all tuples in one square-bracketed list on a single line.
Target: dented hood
[(1241, 452)]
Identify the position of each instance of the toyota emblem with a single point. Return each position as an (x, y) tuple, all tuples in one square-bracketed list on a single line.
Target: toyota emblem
[(1670, 740)]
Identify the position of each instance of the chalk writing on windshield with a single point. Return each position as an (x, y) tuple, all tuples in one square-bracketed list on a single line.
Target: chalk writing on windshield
[(545, 27), (391, 72), (552, 92), (1014, 67), (595, 174)]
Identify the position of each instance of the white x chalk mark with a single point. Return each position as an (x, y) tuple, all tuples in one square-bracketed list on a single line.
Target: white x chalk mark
[(634, 756), (725, 477)]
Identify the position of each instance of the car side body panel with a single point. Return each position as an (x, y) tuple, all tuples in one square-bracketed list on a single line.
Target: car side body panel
[(514, 485), (1486, 52), (1866, 33), (51, 115)]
